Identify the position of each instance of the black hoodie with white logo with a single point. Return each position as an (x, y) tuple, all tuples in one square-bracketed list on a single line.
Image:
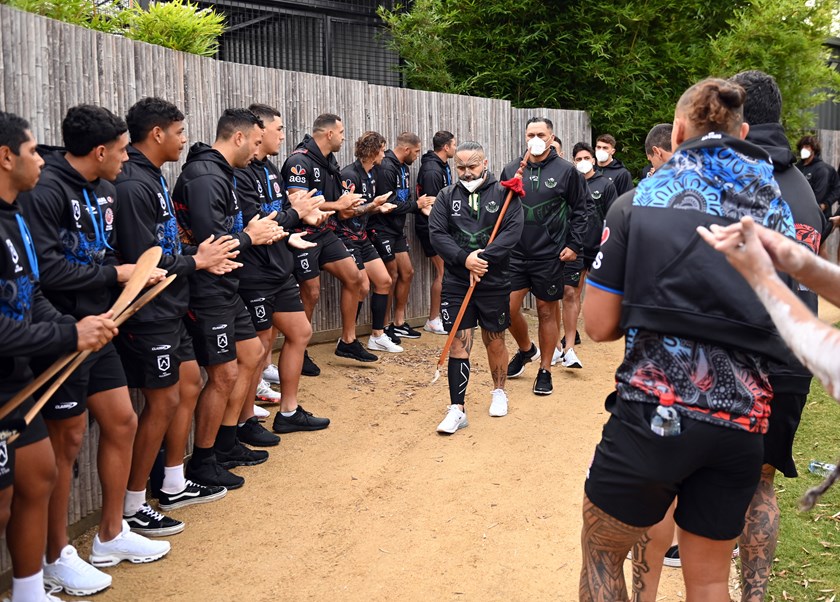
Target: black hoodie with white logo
[(307, 169), (392, 176), (618, 174), (434, 175)]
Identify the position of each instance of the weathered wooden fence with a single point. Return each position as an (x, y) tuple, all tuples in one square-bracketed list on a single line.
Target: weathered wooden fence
[(49, 66)]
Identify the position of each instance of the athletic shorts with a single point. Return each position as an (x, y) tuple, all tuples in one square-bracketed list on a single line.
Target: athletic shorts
[(101, 371), (572, 271), (152, 354), (543, 277), (308, 262), (712, 470), (489, 312), (34, 432), (587, 263), (7, 463), (388, 245), (216, 330), (778, 440), (421, 231), (362, 251), (263, 305)]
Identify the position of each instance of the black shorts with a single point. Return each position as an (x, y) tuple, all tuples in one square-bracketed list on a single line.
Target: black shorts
[(308, 262), (101, 371), (778, 440), (572, 272), (421, 231), (262, 306), (7, 464), (489, 312), (34, 432), (152, 354), (587, 263), (543, 277), (388, 245), (216, 330), (362, 251), (712, 470)]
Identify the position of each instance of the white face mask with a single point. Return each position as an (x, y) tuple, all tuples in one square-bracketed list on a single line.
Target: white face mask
[(536, 146), (602, 156), (584, 167), (805, 154), (472, 185)]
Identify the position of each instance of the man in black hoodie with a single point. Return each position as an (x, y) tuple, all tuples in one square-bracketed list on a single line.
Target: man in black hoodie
[(821, 176), (226, 343), (28, 325), (611, 167), (460, 224), (156, 351), (313, 166), (434, 175), (71, 213)]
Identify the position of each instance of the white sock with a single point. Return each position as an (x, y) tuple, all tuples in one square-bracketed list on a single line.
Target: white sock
[(173, 479), (132, 502), (289, 414), (28, 589)]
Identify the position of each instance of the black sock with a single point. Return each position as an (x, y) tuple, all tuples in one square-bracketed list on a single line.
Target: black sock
[(378, 303), (358, 311), (226, 438), (458, 372), (201, 453)]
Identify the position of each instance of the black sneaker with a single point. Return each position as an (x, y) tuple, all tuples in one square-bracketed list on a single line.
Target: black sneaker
[(147, 521), (239, 455), (672, 557), (309, 368), (563, 340), (301, 420), (210, 474), (253, 433), (354, 351), (407, 332), (517, 365), (392, 334), (542, 384), (193, 493)]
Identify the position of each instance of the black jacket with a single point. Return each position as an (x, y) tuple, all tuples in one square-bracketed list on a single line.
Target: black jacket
[(72, 222), (456, 229), (392, 176), (206, 203), (145, 218), (618, 174), (811, 226), (824, 181), (554, 207), (602, 194), (355, 179), (434, 175), (306, 169), (29, 324), (259, 188)]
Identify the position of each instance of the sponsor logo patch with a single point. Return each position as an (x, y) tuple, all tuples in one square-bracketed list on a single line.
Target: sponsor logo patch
[(161, 347), (109, 216), (298, 170), (4, 454), (163, 363), (219, 327), (259, 311), (67, 405), (605, 235), (550, 183), (77, 209), (304, 264), (222, 341)]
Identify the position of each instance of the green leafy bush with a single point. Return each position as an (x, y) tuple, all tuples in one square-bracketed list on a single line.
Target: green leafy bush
[(85, 13), (179, 25)]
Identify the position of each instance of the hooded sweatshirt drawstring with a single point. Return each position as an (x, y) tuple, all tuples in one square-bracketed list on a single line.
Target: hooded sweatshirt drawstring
[(98, 224), (28, 244)]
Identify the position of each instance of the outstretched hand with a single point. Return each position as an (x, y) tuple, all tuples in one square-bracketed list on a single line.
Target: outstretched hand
[(297, 241)]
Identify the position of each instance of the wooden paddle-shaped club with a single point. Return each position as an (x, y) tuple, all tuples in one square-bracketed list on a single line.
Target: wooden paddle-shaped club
[(453, 331)]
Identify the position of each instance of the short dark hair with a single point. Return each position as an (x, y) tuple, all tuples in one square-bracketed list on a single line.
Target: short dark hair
[(811, 141), (408, 139), (324, 122), (764, 99), (86, 126), (147, 114), (659, 135), (608, 138), (544, 120), (264, 112), (368, 145), (13, 131), (236, 120), (441, 139), (582, 146)]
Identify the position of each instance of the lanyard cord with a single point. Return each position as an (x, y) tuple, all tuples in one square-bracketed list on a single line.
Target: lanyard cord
[(28, 244), (98, 224)]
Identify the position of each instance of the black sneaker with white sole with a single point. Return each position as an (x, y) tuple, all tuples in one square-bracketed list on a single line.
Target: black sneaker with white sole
[(253, 433), (354, 351), (392, 334), (406, 332), (542, 384), (517, 365), (563, 340), (210, 474), (239, 455), (193, 493), (301, 420), (309, 367), (147, 521)]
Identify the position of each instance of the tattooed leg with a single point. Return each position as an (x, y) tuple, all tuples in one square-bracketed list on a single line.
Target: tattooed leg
[(648, 556), (759, 538), (462, 344), (605, 542), (497, 356)]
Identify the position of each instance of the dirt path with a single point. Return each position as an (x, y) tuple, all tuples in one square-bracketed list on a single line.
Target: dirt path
[(380, 507)]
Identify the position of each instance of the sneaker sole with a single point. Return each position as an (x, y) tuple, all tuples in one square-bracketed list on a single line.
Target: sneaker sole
[(354, 357), (115, 559), (674, 563), (236, 463), (286, 429), (497, 414), (517, 374), (73, 591), (259, 444), (376, 347), (575, 366), (162, 532), (229, 487), (310, 373), (549, 392), (194, 500), (462, 425)]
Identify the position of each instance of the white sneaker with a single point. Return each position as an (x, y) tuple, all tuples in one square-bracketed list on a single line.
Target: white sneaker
[(127, 546), (265, 394), (455, 419), (434, 326), (498, 403), (271, 374), (570, 359), (49, 597), (74, 575), (261, 412), (383, 343), (557, 358)]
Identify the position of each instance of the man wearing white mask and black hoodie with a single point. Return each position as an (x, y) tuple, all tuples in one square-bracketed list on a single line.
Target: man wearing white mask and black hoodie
[(611, 167)]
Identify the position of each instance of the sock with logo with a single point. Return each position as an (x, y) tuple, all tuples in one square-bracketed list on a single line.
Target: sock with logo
[(458, 372)]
